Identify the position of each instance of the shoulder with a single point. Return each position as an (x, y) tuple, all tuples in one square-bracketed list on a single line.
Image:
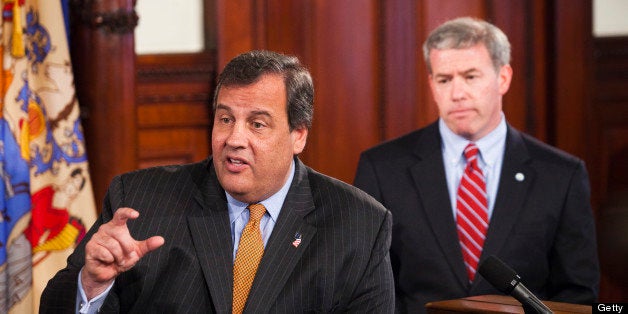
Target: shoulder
[(405, 144), (329, 190), (163, 175), (168, 169), (541, 152)]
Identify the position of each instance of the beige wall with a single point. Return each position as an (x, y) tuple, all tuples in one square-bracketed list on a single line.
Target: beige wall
[(609, 18)]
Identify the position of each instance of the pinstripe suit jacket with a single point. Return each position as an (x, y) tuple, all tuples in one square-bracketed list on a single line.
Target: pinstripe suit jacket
[(342, 263), (542, 224)]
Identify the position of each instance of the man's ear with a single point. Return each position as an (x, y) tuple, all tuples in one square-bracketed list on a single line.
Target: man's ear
[(299, 138), (505, 77)]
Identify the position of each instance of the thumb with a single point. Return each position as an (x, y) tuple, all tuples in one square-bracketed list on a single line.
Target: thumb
[(150, 244)]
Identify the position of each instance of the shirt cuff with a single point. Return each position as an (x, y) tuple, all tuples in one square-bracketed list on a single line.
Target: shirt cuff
[(85, 306)]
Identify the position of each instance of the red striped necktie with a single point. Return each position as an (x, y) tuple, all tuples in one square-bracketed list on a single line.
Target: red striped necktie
[(472, 211)]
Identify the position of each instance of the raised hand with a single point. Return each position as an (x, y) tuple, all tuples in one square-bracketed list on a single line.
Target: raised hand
[(112, 251)]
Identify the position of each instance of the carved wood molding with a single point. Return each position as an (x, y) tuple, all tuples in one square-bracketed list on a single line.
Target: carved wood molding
[(116, 21), (169, 72), (173, 98)]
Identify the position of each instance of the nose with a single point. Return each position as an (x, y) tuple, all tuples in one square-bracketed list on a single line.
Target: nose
[(236, 136), (458, 89)]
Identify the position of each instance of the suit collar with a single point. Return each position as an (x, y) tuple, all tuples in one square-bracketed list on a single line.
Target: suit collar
[(430, 180), (515, 181), (281, 255), (211, 234)]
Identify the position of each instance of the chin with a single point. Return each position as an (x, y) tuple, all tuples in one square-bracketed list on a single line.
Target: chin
[(232, 184), (466, 133)]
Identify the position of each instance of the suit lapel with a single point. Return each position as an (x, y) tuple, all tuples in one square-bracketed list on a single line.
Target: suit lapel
[(211, 237), (514, 182), (281, 256), (430, 180)]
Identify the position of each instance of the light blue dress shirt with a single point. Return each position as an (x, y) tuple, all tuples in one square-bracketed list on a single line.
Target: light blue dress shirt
[(238, 216), (491, 146)]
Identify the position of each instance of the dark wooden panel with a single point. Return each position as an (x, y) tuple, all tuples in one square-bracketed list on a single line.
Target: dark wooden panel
[(288, 27), (177, 114), (572, 60), (104, 63), (166, 146), (517, 19), (608, 113), (607, 152), (173, 108), (235, 26), (403, 82), (345, 55)]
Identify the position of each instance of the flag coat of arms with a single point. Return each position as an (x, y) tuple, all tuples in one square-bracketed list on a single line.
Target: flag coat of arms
[(46, 197)]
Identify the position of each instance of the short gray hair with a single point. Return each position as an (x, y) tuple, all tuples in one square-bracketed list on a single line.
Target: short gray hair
[(465, 32)]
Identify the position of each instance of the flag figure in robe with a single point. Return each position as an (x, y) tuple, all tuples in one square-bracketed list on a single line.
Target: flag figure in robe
[(46, 197)]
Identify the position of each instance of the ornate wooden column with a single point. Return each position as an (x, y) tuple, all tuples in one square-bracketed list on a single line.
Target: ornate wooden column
[(103, 55)]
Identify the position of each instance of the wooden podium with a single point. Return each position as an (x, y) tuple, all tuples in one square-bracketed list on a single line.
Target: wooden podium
[(497, 304)]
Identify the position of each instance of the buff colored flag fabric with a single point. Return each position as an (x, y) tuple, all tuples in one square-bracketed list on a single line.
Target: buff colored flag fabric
[(46, 195)]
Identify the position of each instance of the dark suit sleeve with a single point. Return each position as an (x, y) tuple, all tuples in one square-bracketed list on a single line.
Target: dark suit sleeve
[(574, 273), (375, 292), (366, 178)]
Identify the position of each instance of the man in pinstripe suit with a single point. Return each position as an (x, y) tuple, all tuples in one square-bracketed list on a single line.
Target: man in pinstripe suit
[(167, 236)]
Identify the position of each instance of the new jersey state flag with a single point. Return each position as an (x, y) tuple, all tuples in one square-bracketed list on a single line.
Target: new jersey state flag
[(46, 198)]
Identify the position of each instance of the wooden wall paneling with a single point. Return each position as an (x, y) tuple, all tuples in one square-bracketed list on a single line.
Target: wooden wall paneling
[(346, 71), (608, 161), (436, 12), (235, 29), (573, 52), (613, 209), (288, 28), (402, 58), (174, 94), (537, 74), (514, 19), (102, 50)]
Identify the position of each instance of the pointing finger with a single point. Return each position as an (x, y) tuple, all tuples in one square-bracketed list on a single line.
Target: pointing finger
[(123, 214)]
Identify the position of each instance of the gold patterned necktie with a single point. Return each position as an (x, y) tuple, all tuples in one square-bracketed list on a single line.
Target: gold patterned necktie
[(250, 251)]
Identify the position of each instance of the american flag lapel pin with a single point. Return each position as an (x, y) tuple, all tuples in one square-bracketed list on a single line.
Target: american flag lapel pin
[(297, 239)]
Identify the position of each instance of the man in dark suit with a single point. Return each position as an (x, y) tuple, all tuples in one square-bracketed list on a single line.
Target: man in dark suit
[(323, 244), (516, 198)]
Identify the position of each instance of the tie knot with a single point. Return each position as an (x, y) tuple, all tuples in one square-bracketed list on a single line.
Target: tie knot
[(471, 151), (256, 211)]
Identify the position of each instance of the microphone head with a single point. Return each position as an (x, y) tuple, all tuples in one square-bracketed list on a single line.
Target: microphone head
[(502, 277)]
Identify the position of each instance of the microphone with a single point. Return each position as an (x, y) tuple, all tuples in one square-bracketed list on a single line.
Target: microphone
[(506, 280)]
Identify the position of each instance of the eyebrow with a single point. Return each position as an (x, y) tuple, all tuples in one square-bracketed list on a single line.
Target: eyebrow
[(254, 112), (223, 107), (470, 70), (465, 72)]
